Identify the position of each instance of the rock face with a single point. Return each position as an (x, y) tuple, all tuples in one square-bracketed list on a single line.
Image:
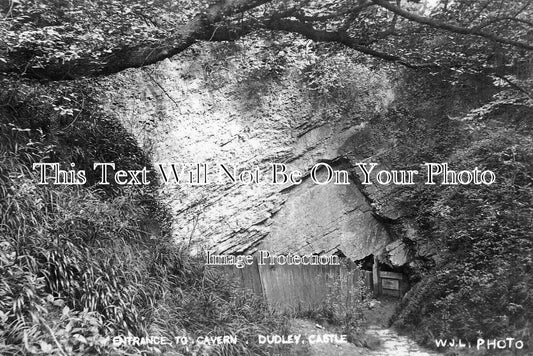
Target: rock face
[(180, 117), (326, 219)]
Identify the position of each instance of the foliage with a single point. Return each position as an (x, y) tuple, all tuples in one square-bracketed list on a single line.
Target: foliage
[(82, 37), (351, 87), (344, 305), (481, 283), (54, 245), (80, 264), (61, 31), (483, 287)]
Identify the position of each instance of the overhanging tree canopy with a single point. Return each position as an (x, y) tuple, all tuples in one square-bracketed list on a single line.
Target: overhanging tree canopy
[(62, 39)]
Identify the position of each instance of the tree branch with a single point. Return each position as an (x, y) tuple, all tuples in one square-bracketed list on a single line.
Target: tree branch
[(219, 23), (514, 85), (353, 11), (450, 27), (201, 27), (505, 18), (311, 33)]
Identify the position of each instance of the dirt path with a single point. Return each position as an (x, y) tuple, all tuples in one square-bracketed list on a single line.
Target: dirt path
[(393, 344), (308, 328), (387, 342), (381, 340)]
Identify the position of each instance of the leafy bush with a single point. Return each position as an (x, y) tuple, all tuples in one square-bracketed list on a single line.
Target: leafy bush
[(473, 247), (482, 284)]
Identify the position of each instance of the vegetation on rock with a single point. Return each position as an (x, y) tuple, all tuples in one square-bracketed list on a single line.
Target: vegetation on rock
[(81, 263)]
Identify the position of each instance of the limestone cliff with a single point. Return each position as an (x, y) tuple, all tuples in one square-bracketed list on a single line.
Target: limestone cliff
[(179, 116)]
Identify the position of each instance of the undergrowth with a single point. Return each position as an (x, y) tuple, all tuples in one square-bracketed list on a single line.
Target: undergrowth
[(81, 264), (481, 288), (344, 305), (471, 276), (477, 282)]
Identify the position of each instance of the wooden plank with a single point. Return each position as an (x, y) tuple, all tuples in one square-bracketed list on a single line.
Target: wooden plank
[(391, 275), (390, 284), (375, 276), (288, 287), (368, 279)]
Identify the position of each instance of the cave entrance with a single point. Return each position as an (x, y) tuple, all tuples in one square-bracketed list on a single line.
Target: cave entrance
[(386, 280)]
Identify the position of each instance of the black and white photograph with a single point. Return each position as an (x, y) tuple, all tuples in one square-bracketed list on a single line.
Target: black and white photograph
[(266, 177)]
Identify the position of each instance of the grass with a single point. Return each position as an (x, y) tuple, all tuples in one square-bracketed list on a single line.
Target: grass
[(344, 307), (82, 264)]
